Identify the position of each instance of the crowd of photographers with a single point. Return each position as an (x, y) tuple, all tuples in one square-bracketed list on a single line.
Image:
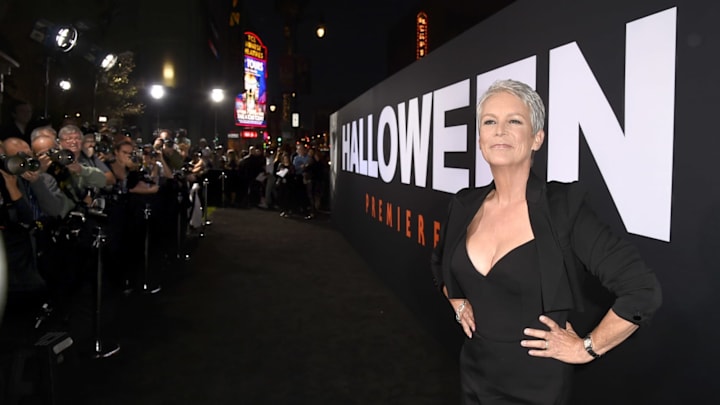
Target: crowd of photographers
[(68, 194)]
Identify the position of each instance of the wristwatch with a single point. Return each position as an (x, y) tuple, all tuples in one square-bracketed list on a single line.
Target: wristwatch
[(587, 343)]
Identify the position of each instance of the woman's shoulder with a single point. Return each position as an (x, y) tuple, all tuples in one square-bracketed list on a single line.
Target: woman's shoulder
[(565, 199), (572, 191)]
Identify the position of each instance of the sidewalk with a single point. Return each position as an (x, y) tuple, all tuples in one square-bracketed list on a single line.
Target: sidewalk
[(269, 311)]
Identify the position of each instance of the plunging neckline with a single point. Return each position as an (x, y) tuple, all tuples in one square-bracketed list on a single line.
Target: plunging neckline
[(490, 270)]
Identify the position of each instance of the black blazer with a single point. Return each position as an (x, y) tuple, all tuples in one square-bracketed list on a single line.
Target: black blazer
[(570, 239)]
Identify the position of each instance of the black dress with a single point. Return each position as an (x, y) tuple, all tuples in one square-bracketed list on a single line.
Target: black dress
[(494, 368)]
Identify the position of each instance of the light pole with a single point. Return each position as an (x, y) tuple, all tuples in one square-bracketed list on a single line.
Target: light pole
[(57, 38), (157, 92), (217, 96)]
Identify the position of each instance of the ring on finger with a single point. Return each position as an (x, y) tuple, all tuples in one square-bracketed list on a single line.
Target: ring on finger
[(546, 345)]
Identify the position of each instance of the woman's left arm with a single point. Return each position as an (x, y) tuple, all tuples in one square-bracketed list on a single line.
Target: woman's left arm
[(618, 266), (610, 332), (566, 345)]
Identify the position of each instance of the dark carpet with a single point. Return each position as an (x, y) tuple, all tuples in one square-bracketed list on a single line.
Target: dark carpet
[(266, 311)]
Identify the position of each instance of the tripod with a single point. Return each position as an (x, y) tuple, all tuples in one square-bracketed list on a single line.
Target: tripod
[(100, 351)]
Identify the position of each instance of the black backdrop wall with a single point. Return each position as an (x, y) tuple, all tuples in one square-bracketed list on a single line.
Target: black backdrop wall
[(631, 90)]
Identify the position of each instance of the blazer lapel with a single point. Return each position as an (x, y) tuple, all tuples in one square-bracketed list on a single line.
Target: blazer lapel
[(470, 203), (556, 292)]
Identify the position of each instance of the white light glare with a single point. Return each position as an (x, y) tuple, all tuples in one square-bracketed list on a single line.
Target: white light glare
[(66, 38), (217, 95), (65, 84), (157, 91)]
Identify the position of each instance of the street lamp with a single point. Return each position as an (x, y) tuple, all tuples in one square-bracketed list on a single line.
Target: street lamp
[(217, 96), (320, 28), (157, 92)]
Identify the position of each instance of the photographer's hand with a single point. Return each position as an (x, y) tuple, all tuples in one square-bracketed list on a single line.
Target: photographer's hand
[(74, 168), (167, 172), (132, 165), (29, 176), (45, 162), (11, 185)]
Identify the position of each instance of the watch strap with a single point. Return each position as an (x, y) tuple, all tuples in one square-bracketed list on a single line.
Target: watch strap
[(588, 344)]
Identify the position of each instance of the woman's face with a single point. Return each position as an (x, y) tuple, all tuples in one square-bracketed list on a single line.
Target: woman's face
[(148, 158), (506, 137), (123, 154)]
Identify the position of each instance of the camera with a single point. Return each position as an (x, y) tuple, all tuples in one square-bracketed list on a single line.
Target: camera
[(149, 150), (103, 143), (140, 175), (103, 148), (62, 157), (19, 164), (186, 168), (136, 156)]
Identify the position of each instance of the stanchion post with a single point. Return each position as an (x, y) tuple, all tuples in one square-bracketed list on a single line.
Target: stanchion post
[(222, 187), (178, 251), (100, 350), (205, 204), (146, 270)]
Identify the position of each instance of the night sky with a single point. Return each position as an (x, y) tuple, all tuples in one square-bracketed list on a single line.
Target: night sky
[(350, 59)]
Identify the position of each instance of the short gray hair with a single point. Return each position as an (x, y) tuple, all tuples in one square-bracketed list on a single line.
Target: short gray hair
[(524, 93), (69, 129), (45, 130)]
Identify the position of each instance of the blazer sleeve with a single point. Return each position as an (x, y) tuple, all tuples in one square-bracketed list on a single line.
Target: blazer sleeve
[(442, 276), (614, 261)]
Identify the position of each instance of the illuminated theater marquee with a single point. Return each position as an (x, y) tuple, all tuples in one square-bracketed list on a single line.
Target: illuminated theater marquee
[(635, 159), (250, 105)]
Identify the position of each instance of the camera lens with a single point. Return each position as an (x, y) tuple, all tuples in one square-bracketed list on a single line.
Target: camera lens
[(19, 164), (61, 156)]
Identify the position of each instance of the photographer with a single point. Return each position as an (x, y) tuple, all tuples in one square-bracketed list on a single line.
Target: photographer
[(103, 149), (49, 200), (127, 170), (138, 190), (85, 177), (165, 143), (88, 157), (17, 218), (74, 179), (50, 206), (207, 154)]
